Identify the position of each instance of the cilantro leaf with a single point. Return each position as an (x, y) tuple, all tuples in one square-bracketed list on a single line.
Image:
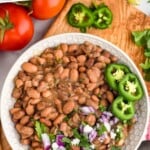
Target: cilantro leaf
[(76, 133), (40, 128), (101, 130), (102, 108), (66, 140), (115, 148)]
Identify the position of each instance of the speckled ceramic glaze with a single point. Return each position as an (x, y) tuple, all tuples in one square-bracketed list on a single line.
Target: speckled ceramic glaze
[(7, 102)]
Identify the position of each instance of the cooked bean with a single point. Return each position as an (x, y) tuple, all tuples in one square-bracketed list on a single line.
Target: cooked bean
[(65, 60), (82, 69), (14, 110), (43, 86), (58, 54), (74, 75), (100, 65), (91, 86), (26, 131), (89, 63), (35, 144), (29, 67), (68, 107), (73, 147), (18, 83), (31, 92), (17, 93), (91, 119), (58, 104), (92, 103), (73, 59), (46, 94), (81, 59), (82, 100), (110, 96), (53, 115), (41, 105), (47, 111), (73, 47), (38, 148), (103, 102), (34, 101), (65, 73), (64, 47), (46, 122), (25, 141), (24, 120), (73, 65), (18, 115), (92, 75), (59, 119), (49, 77), (27, 84), (95, 98), (30, 109), (41, 61), (107, 140), (120, 142)]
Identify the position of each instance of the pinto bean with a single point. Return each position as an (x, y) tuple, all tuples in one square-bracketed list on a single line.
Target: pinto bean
[(24, 120), (89, 63), (64, 47), (25, 141), (110, 96), (73, 47), (73, 65), (34, 101), (17, 93), (47, 111), (35, 144), (82, 100), (18, 83), (18, 115), (31, 92), (59, 119), (92, 76), (46, 122), (14, 110), (103, 102), (92, 103), (81, 59), (68, 107), (107, 140), (100, 65), (30, 109), (58, 54), (91, 86), (53, 115), (76, 119), (41, 105), (27, 84), (43, 86), (58, 104), (74, 75), (49, 77), (104, 59), (90, 119), (73, 147), (41, 61), (26, 131), (65, 73), (38, 148), (95, 98), (46, 94), (29, 67), (82, 69)]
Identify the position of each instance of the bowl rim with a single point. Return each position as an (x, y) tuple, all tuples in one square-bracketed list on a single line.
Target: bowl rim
[(30, 48)]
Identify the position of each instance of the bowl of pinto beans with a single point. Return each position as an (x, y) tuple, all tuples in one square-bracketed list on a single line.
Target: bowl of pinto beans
[(74, 91)]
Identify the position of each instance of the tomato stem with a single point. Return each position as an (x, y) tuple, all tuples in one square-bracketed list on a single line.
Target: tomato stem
[(5, 25)]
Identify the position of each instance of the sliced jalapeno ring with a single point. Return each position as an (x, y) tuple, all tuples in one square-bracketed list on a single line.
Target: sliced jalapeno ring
[(80, 16), (114, 73), (102, 17), (122, 108), (130, 87)]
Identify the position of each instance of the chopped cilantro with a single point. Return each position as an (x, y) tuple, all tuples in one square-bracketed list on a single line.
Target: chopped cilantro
[(52, 137), (76, 133), (115, 148), (66, 140), (102, 108), (101, 130), (40, 128)]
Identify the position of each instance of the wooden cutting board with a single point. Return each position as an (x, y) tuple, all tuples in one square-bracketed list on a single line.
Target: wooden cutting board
[(126, 18)]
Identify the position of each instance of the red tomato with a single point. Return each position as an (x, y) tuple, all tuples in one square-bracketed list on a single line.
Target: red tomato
[(44, 9), (21, 27)]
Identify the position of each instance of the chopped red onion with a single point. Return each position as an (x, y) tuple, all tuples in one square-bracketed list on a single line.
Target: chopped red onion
[(102, 137), (87, 110), (59, 140), (81, 127), (115, 120), (46, 141), (92, 135), (62, 148), (107, 113), (103, 119)]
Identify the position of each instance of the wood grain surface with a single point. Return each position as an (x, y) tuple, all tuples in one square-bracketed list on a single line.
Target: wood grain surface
[(126, 18)]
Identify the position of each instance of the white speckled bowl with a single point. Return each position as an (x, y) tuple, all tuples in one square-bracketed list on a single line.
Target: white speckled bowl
[(7, 102)]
